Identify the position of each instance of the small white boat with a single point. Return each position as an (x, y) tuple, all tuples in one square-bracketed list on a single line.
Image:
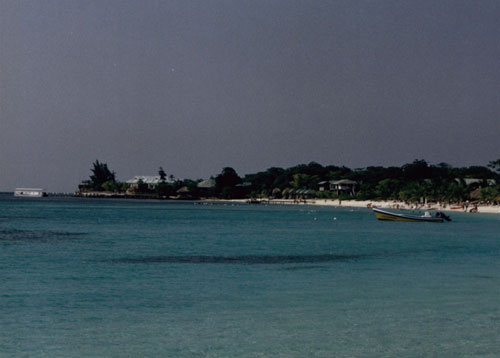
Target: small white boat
[(437, 217), (29, 192)]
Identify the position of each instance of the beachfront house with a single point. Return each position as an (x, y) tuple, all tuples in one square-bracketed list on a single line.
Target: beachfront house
[(207, 184), (343, 186), (206, 187), (324, 186), (151, 181), (476, 181), (184, 193)]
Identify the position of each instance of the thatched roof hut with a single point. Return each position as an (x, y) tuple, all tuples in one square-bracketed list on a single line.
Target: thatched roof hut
[(285, 193), (276, 193), (475, 194)]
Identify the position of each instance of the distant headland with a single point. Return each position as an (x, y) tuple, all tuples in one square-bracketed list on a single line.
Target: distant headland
[(417, 182)]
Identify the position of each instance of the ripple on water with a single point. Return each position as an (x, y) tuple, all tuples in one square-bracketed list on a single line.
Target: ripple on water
[(245, 260), (20, 236)]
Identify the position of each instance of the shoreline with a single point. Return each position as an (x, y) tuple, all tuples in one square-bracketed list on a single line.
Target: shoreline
[(391, 204), (383, 204)]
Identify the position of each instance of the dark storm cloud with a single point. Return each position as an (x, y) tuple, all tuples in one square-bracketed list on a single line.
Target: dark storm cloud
[(197, 85)]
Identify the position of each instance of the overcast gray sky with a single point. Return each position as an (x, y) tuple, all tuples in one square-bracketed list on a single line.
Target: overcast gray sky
[(194, 86)]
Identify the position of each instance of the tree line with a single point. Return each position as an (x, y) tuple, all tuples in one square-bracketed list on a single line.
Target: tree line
[(410, 182)]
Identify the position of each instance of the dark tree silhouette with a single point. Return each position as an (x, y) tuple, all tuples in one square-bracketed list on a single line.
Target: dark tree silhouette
[(100, 175), (226, 181), (162, 174), (495, 165)]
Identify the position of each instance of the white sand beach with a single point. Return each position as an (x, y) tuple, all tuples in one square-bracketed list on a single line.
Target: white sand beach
[(495, 209), (402, 205)]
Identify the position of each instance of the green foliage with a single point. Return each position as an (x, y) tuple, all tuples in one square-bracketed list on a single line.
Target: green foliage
[(271, 178), (413, 182), (410, 192), (345, 197), (227, 193), (491, 193), (417, 170), (142, 188), (113, 186), (337, 173), (163, 189), (475, 172), (326, 194), (227, 178), (366, 192), (304, 181), (388, 188)]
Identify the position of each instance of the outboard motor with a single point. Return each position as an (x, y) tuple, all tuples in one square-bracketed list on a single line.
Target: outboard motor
[(440, 214)]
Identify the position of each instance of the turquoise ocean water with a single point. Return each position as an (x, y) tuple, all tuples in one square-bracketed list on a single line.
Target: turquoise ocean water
[(117, 278)]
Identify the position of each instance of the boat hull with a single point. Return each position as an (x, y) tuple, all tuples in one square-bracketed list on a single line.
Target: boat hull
[(29, 193), (388, 216)]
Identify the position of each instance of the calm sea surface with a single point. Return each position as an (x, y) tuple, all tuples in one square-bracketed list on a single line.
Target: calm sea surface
[(116, 278)]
